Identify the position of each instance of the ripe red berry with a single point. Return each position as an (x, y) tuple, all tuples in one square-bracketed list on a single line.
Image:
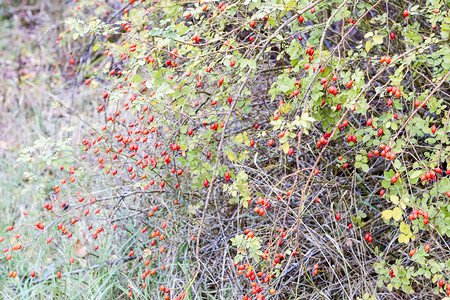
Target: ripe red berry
[(417, 103), (349, 84), (433, 129), (380, 131)]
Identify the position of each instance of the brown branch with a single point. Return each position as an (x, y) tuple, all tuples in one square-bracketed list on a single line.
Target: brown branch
[(418, 108), (219, 148)]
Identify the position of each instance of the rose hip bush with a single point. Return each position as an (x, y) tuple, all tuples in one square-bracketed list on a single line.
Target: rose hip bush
[(246, 149)]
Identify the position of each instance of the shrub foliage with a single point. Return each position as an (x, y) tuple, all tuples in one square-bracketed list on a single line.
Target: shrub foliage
[(250, 149)]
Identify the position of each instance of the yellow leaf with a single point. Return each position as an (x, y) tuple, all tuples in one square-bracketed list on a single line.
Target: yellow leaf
[(285, 108), (387, 214), (405, 228), (239, 138), (231, 156), (394, 199), (27, 76), (286, 147), (402, 205), (378, 39), (397, 214), (368, 46), (403, 239)]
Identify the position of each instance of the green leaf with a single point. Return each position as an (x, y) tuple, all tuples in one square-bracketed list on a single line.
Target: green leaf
[(416, 174), (365, 168), (182, 29), (252, 64), (386, 184), (137, 78), (186, 90)]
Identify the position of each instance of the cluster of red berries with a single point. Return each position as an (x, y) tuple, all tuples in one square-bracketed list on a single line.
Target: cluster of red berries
[(385, 152), (386, 59), (227, 176), (344, 124), (315, 269), (264, 202), (441, 284), (391, 272), (323, 140), (430, 175), (166, 291), (368, 237), (251, 274), (416, 213), (394, 90)]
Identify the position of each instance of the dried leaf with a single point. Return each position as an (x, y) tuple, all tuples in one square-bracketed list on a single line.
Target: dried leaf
[(79, 249), (349, 242)]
